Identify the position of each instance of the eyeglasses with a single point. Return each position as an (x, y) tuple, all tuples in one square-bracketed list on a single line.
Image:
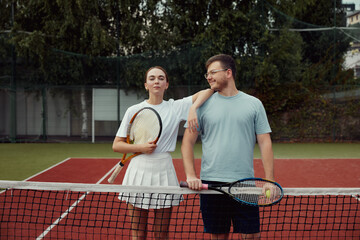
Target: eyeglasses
[(212, 72)]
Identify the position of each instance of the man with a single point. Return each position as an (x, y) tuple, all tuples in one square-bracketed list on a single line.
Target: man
[(230, 123)]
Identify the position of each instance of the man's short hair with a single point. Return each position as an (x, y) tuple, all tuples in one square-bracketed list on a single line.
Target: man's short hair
[(225, 60)]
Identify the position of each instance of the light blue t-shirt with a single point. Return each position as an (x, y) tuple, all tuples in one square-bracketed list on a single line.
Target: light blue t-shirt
[(228, 129)]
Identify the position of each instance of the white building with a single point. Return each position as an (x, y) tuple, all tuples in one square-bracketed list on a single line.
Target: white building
[(352, 58)]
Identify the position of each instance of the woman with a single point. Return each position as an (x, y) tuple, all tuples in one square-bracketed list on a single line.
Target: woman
[(155, 166)]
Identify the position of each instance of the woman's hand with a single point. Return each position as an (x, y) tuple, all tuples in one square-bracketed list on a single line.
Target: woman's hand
[(148, 148), (192, 120)]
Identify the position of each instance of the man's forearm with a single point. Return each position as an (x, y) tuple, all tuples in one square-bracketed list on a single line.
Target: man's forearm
[(187, 151), (267, 155)]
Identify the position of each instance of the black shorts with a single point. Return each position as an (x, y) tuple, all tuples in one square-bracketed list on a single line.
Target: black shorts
[(219, 211)]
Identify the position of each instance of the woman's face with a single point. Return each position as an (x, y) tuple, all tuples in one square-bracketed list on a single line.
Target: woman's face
[(156, 82)]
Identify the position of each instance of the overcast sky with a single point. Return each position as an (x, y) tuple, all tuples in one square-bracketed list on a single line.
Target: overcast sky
[(357, 3)]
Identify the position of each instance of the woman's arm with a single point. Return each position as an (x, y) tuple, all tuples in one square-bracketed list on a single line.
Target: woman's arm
[(121, 146), (198, 99)]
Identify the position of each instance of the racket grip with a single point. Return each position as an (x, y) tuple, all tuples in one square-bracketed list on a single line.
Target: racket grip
[(115, 173), (185, 184)]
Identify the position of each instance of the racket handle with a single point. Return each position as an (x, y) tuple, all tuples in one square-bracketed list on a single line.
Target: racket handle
[(115, 173), (185, 184)]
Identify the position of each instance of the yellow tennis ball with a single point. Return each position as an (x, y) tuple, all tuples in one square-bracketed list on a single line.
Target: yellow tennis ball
[(268, 193)]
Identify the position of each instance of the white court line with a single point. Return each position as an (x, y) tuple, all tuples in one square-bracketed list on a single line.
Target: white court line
[(37, 174), (55, 165), (65, 160), (43, 234)]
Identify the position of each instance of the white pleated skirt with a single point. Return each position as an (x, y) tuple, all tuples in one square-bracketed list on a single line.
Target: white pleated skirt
[(155, 169)]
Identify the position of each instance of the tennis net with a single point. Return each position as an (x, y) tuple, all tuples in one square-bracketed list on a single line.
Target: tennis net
[(39, 210)]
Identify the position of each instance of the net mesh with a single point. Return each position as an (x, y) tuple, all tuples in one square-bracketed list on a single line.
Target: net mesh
[(36, 210)]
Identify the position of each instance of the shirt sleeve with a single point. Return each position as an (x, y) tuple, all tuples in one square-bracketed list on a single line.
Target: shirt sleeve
[(262, 125), (182, 107), (122, 131)]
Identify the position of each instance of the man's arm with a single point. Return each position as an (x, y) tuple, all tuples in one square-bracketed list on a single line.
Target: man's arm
[(267, 155), (187, 151)]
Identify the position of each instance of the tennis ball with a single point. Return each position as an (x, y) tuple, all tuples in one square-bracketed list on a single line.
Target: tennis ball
[(268, 193)]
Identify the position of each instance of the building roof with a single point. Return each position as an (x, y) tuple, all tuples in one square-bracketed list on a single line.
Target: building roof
[(350, 14)]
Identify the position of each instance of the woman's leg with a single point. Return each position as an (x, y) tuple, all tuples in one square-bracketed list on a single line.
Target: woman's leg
[(162, 222), (138, 222)]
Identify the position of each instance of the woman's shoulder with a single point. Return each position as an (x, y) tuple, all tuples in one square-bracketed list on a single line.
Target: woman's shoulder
[(172, 101), (137, 107)]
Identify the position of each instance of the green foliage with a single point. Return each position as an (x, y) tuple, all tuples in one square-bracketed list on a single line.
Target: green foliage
[(282, 55), (157, 29)]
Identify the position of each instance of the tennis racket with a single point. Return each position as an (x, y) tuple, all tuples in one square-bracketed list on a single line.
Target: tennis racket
[(145, 126), (250, 191)]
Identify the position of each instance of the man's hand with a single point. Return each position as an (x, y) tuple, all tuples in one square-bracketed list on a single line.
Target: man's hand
[(194, 183), (192, 120)]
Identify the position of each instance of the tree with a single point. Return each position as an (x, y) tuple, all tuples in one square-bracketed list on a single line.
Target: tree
[(113, 42), (78, 26)]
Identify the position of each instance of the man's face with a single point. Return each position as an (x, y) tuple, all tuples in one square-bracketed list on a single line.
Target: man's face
[(216, 79)]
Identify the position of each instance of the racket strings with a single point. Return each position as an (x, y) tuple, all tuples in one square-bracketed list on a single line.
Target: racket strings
[(255, 192), (247, 192), (145, 127)]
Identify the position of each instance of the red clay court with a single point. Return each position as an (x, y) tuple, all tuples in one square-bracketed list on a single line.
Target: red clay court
[(290, 173)]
